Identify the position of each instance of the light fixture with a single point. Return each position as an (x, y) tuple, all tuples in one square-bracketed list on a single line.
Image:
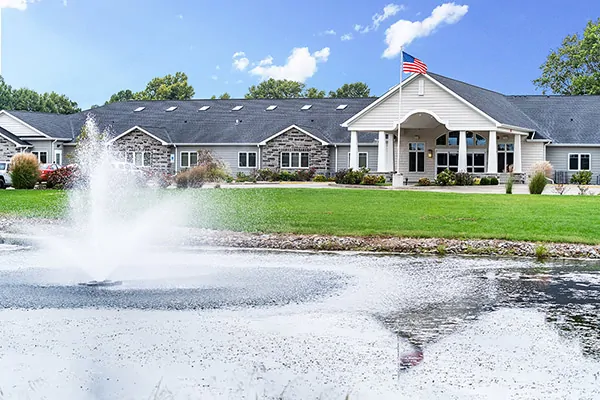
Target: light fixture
[(429, 153), (417, 137)]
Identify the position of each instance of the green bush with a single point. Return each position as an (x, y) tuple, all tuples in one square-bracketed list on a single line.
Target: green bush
[(494, 181), (350, 177), (242, 177), (582, 178), (267, 175), (305, 175), (319, 178), (373, 180), (286, 176), (484, 181), (537, 183), (25, 171), (463, 179), (446, 178), (509, 184), (181, 179), (423, 182)]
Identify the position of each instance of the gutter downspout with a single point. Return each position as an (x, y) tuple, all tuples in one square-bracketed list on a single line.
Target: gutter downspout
[(259, 163), (53, 151), (336, 158), (175, 158)]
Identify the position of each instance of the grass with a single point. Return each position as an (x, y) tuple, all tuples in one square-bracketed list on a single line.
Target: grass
[(571, 219)]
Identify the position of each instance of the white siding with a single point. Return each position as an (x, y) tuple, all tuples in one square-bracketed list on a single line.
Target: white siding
[(17, 128), (531, 152), (448, 108), (227, 154)]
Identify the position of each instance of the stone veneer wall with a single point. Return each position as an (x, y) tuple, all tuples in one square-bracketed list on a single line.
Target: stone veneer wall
[(139, 141), (7, 149), (294, 140)]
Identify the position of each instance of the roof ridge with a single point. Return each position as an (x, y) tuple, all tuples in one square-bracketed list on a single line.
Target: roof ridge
[(553, 95), (469, 84)]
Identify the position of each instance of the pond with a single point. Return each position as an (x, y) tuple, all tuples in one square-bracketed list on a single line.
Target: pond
[(217, 323)]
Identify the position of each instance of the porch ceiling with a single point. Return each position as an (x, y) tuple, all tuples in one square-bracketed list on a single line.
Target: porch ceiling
[(420, 121)]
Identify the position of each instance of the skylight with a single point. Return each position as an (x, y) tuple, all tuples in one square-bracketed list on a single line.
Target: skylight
[(306, 107), (203, 108), (342, 107), (139, 109), (173, 108), (271, 108), (237, 108)]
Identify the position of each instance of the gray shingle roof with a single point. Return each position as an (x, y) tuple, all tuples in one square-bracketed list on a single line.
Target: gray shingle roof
[(13, 138), (565, 119), (55, 125)]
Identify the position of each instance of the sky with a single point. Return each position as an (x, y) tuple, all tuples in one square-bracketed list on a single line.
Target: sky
[(90, 49)]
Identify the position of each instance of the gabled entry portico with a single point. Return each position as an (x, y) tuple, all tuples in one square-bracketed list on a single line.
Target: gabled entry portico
[(438, 130)]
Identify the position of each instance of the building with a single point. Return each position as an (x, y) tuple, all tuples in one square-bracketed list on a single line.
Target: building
[(445, 123)]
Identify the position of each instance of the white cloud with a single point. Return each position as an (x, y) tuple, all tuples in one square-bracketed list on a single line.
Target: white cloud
[(388, 11), (239, 61), (218, 67), (180, 16), (239, 81), (238, 54), (300, 65), (214, 77), (357, 27), (346, 37), (266, 61), (65, 3), (18, 4), (329, 32), (403, 32)]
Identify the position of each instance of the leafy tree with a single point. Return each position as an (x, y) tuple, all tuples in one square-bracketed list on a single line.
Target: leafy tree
[(30, 100), (356, 89), (574, 68), (314, 93), (275, 89), (26, 100), (6, 99), (122, 95), (57, 103), (170, 87), (225, 96)]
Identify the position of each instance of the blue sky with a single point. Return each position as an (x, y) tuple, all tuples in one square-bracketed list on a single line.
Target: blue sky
[(90, 49)]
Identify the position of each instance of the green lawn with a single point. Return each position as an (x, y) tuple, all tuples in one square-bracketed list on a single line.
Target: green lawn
[(368, 212)]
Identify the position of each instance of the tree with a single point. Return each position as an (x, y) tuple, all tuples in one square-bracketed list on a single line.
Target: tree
[(225, 96), (58, 103), (356, 89), (275, 89), (574, 68), (29, 100), (170, 87), (6, 99), (122, 95), (314, 93)]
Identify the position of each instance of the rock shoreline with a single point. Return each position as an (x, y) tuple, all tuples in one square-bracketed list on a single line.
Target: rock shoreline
[(405, 245)]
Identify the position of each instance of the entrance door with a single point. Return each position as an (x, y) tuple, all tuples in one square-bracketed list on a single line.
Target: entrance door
[(58, 157)]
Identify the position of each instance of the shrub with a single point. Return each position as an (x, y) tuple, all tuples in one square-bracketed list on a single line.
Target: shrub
[(463, 179), (267, 175), (242, 177), (25, 171), (62, 178), (509, 184), (476, 181), (541, 251), (537, 183), (542, 166), (181, 179), (199, 175), (423, 182), (494, 181), (446, 178), (373, 180), (484, 181), (319, 178), (286, 176), (306, 175), (560, 189), (350, 177), (582, 178)]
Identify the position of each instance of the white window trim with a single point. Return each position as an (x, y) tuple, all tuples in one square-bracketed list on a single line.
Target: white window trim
[(578, 161), (416, 152), (248, 159), (452, 151), (56, 152), (299, 159), (37, 154), (181, 159), (359, 153), (133, 153)]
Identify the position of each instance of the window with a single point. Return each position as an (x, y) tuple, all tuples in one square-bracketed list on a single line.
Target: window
[(446, 160), (306, 107), (203, 108), (188, 159), (42, 156), (58, 157), (271, 108), (476, 163), (441, 140), (173, 108), (363, 160), (247, 160), (294, 160), (342, 107), (140, 158), (237, 108), (506, 156), (139, 109), (579, 162), (473, 139), (416, 157), (453, 139), (421, 87)]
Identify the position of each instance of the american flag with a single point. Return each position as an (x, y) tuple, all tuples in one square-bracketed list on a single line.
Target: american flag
[(411, 64)]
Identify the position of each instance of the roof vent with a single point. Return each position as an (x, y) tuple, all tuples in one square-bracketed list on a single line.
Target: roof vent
[(237, 108), (203, 108), (342, 107), (271, 108), (139, 109), (172, 108), (238, 121), (306, 107)]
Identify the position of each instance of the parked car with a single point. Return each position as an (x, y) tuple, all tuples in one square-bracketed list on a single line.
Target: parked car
[(130, 172), (45, 170), (5, 179)]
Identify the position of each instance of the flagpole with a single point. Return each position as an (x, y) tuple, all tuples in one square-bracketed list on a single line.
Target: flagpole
[(398, 174)]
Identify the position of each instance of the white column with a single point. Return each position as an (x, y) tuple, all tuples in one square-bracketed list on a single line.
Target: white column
[(381, 153), (390, 153), (492, 156), (354, 150), (517, 156), (462, 152)]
